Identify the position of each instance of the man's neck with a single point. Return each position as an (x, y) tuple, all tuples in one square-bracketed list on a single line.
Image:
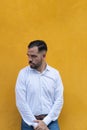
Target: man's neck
[(42, 67)]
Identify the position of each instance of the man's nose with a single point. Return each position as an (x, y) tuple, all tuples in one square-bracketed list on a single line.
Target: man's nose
[(30, 59)]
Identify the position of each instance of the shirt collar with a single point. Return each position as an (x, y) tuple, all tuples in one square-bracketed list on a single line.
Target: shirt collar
[(46, 69)]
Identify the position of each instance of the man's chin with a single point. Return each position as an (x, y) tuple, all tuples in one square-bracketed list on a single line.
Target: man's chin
[(32, 66)]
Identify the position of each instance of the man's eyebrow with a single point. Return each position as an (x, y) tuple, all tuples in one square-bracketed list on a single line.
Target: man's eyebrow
[(31, 54)]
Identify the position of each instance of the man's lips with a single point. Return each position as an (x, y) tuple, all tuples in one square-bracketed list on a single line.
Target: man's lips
[(31, 63)]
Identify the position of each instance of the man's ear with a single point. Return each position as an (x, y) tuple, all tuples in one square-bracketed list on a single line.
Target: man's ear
[(44, 55)]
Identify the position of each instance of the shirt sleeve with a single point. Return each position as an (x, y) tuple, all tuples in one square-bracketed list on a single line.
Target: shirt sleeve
[(21, 102), (58, 102)]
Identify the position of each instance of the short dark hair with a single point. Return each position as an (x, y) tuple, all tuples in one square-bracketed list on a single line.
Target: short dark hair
[(38, 43)]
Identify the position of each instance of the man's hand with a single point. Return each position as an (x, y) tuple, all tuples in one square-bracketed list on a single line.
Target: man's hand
[(41, 125)]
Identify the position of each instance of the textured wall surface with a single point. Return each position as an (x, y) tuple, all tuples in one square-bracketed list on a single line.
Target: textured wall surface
[(63, 25)]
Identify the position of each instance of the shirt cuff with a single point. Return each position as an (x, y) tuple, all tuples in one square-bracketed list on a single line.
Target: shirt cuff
[(35, 125), (47, 120)]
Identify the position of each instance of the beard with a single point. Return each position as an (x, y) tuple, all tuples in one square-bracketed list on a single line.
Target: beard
[(35, 66)]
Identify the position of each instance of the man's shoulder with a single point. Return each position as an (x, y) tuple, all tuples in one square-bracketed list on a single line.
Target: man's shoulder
[(53, 69), (24, 70)]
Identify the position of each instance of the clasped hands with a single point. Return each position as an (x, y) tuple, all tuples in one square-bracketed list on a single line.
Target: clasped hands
[(41, 125)]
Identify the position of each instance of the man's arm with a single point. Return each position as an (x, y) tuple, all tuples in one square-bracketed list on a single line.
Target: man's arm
[(58, 102), (21, 103)]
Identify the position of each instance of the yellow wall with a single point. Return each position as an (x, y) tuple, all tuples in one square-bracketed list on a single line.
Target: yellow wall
[(63, 25)]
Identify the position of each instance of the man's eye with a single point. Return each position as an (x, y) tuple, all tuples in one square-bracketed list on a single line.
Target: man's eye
[(33, 56)]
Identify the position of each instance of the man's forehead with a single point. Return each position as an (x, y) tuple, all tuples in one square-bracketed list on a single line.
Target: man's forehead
[(33, 50)]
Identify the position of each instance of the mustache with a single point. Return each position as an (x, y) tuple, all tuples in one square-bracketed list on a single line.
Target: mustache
[(31, 62)]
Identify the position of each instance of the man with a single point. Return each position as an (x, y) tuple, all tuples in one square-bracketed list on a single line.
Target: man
[(39, 91)]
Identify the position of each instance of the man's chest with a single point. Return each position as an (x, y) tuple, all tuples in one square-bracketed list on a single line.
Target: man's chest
[(40, 84)]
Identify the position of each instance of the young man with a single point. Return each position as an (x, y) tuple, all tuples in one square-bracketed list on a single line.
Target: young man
[(39, 91)]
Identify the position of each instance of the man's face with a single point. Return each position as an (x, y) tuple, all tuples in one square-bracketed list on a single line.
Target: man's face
[(35, 57)]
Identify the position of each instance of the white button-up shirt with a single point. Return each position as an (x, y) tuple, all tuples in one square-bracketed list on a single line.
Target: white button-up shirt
[(39, 93)]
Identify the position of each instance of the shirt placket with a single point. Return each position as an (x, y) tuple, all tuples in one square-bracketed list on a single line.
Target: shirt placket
[(40, 86)]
